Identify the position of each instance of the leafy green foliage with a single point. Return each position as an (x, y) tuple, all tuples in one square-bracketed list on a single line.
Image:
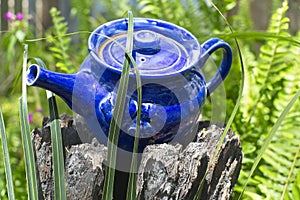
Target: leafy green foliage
[(198, 16), (271, 84), (296, 187), (112, 9), (81, 10), (60, 42), (268, 77), (295, 194), (162, 8), (281, 160), (10, 62), (263, 151)]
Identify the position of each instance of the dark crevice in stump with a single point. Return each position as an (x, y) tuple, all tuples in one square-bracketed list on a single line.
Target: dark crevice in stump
[(166, 171)]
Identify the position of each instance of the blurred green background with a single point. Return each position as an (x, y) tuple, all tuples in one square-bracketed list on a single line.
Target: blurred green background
[(268, 36)]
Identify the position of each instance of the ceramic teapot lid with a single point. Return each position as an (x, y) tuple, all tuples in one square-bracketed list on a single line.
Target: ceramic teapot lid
[(159, 48)]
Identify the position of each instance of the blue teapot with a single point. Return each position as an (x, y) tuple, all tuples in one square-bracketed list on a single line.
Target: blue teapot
[(170, 61)]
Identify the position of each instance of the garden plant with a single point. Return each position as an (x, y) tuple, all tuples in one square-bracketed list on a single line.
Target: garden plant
[(262, 90)]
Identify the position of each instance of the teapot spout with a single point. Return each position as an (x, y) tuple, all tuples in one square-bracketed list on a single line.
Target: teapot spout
[(60, 84)]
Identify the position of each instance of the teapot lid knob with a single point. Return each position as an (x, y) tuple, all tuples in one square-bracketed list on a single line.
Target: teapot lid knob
[(146, 41)]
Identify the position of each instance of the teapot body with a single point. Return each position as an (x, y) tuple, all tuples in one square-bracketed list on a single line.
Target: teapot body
[(170, 104)]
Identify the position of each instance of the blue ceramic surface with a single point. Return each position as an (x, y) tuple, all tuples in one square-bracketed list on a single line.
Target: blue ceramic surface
[(169, 60)]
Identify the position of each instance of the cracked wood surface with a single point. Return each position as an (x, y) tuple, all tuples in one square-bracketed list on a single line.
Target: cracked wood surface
[(166, 171)]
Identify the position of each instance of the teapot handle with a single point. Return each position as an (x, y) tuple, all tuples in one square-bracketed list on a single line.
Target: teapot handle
[(209, 47)]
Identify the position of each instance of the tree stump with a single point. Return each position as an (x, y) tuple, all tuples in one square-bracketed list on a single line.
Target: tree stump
[(166, 171)]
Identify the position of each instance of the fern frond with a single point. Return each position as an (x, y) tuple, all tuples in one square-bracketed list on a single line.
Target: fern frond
[(164, 9), (242, 19), (275, 80), (82, 8), (296, 187), (197, 16), (112, 9), (270, 74), (281, 163), (289, 179), (60, 42), (267, 83)]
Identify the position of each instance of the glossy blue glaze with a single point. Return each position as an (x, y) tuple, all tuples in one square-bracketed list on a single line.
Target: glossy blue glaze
[(170, 61)]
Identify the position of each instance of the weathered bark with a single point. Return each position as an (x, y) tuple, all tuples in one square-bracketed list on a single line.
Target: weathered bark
[(166, 171), (171, 172)]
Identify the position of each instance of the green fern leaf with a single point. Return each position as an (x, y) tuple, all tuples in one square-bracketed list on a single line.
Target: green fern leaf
[(296, 187), (281, 161), (82, 9), (164, 9), (60, 43), (275, 82), (270, 73)]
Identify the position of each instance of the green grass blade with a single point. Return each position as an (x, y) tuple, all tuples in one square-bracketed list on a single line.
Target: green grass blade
[(131, 189), (24, 69), (57, 149), (28, 151), (26, 138), (38, 61), (235, 109), (296, 186), (260, 36), (114, 129), (292, 168), (269, 138), (9, 179)]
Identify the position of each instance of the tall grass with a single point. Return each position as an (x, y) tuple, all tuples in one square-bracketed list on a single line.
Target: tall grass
[(30, 166), (9, 179), (57, 150), (114, 128)]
